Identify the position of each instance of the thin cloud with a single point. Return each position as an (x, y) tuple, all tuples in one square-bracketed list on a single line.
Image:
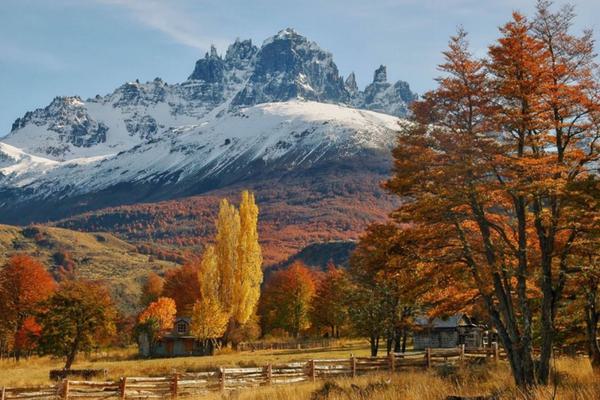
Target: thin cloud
[(166, 17), (28, 56)]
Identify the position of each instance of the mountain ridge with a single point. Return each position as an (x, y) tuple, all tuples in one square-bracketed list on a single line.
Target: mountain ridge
[(277, 119)]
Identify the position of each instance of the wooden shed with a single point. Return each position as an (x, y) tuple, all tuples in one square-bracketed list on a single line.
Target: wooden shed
[(447, 332), (175, 343)]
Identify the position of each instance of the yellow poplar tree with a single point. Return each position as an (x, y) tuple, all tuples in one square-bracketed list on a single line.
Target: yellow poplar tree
[(248, 274), (208, 274), (228, 233), (209, 321)]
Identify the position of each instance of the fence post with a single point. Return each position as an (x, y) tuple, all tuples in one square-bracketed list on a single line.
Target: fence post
[(65, 391), (392, 362), (222, 379), (122, 387), (312, 370), (269, 374), (174, 388), (3, 393), (462, 352), (353, 365), (428, 357), (496, 352)]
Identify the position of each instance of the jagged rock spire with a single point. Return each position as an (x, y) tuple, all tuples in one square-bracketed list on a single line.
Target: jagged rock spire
[(380, 75), (350, 83)]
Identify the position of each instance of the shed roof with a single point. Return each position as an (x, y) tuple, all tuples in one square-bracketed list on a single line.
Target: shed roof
[(452, 321)]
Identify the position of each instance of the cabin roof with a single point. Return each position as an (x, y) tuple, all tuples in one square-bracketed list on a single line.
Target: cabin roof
[(452, 321)]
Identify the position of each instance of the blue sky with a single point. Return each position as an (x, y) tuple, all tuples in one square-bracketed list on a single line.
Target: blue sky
[(89, 47)]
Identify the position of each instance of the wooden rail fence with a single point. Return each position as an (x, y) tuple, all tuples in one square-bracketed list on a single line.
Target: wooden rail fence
[(308, 344), (225, 379)]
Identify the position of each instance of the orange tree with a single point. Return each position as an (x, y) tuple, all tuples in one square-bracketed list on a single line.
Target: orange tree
[(287, 299), (491, 175), (181, 284), (389, 283), (24, 283), (163, 310), (152, 288), (329, 309)]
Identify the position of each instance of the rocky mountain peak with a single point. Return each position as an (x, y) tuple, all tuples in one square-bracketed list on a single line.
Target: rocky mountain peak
[(351, 85), (289, 66), (240, 53), (380, 75), (213, 52), (210, 68)]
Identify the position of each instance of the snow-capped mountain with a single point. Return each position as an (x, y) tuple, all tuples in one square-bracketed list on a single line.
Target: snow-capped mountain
[(252, 112)]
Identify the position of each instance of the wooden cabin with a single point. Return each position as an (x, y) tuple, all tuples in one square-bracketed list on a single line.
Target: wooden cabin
[(176, 343), (447, 332)]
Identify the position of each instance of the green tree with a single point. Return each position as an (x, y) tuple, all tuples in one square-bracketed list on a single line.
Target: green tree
[(77, 317)]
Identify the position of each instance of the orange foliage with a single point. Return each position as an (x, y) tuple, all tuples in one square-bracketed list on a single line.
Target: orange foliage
[(174, 229), (182, 285), (152, 288), (24, 284), (497, 172), (286, 299), (162, 310), (27, 336)]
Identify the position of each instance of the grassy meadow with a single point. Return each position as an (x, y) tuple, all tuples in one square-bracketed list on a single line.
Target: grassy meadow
[(96, 256), (572, 379)]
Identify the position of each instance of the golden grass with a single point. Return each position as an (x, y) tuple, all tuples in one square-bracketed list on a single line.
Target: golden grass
[(123, 362), (573, 378), (576, 382)]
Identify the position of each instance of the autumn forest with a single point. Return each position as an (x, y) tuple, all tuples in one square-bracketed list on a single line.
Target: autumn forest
[(495, 195)]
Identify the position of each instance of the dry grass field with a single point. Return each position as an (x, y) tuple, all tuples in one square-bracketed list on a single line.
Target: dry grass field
[(573, 378), (124, 363), (576, 382)]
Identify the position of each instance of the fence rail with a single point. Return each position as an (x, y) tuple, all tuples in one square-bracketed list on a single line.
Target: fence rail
[(308, 344), (224, 379)]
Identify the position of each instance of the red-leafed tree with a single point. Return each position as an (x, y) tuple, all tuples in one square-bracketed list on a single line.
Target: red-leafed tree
[(494, 175), (152, 288), (24, 283), (329, 306), (27, 336), (286, 300), (181, 285)]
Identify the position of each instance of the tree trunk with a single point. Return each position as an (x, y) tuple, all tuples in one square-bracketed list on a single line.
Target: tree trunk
[(398, 340), (72, 354), (374, 341), (592, 317), (547, 312)]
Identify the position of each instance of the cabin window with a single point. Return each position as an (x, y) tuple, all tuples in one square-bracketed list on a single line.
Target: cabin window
[(181, 328)]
